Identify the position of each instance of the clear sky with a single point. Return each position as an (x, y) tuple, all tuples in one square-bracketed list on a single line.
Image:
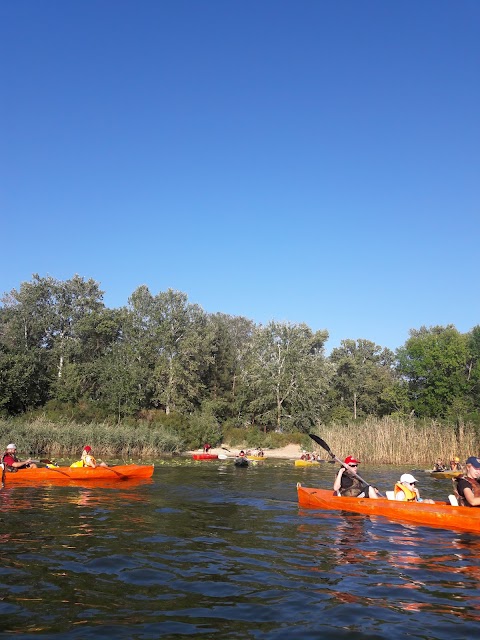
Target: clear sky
[(303, 160)]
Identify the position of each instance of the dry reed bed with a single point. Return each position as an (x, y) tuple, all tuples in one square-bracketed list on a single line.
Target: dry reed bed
[(389, 441)]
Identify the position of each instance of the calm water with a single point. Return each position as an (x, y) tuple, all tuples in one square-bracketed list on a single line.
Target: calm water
[(212, 551)]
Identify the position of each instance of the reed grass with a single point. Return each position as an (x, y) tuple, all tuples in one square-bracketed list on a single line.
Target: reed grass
[(43, 438), (391, 441), (374, 441)]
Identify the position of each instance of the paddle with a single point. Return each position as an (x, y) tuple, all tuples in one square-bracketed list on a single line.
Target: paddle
[(117, 473), (325, 446)]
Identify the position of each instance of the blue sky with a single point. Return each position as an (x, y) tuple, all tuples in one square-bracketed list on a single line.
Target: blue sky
[(303, 161)]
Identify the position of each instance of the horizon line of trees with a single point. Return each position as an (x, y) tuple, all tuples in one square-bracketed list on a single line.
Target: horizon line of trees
[(60, 344)]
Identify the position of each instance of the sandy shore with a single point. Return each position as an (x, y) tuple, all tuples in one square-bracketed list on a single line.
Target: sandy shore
[(292, 451)]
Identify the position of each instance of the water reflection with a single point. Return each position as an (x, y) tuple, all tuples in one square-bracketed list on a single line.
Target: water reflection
[(217, 553)]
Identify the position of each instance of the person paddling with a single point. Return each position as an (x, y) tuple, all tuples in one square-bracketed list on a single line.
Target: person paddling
[(466, 487), (12, 463), (347, 483)]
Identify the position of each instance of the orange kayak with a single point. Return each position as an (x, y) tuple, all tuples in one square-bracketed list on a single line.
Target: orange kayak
[(69, 474), (439, 514)]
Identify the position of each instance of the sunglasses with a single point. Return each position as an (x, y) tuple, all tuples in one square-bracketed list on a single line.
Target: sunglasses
[(353, 465)]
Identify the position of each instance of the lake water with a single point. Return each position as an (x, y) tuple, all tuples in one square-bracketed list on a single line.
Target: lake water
[(209, 550)]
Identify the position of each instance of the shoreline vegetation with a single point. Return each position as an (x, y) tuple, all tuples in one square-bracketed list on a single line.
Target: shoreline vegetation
[(374, 441)]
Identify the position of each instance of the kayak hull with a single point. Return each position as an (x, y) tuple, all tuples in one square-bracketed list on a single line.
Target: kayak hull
[(445, 474), (439, 514), (306, 463), (204, 456), (72, 474)]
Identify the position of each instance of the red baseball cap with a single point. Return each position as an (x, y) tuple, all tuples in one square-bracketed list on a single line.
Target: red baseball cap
[(87, 448), (351, 460)]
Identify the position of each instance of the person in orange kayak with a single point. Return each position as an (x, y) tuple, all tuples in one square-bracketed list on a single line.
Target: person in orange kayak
[(12, 463), (467, 488), (349, 485), (87, 460), (406, 490)]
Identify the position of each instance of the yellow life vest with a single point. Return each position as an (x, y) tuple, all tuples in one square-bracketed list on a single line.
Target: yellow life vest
[(81, 463), (409, 495)]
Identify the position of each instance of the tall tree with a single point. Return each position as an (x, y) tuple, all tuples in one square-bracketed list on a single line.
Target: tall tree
[(175, 340), (363, 379), (285, 377), (434, 362)]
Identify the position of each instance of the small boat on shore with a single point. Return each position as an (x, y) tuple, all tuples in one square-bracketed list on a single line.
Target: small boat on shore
[(438, 514), (204, 456), (72, 474)]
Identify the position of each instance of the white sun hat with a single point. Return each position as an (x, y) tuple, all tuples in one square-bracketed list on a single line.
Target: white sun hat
[(407, 477)]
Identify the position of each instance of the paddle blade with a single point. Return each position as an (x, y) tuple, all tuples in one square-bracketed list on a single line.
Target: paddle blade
[(222, 456), (322, 443)]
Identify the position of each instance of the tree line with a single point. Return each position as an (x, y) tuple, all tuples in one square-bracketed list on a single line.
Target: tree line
[(60, 345)]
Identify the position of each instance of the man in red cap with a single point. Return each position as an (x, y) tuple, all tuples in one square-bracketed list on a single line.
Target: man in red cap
[(348, 484)]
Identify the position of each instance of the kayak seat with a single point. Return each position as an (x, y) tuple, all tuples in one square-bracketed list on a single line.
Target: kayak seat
[(453, 500), (390, 495)]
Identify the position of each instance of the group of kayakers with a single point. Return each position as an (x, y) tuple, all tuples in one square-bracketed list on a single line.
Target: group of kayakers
[(312, 457), (454, 465), (466, 487), (12, 463)]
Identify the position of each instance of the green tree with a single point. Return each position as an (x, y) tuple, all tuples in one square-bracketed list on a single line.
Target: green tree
[(285, 377), (434, 361), (363, 381), (174, 340)]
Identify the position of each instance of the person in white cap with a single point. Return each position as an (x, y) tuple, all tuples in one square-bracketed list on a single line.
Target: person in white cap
[(406, 490), (12, 463)]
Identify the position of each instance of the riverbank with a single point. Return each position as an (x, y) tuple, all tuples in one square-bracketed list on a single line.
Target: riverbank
[(290, 452)]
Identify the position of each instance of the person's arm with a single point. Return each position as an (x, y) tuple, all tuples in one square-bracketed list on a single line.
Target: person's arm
[(470, 497), (19, 463), (89, 462), (338, 480), (400, 496)]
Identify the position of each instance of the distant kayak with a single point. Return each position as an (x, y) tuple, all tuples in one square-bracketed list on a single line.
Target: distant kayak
[(307, 463), (444, 474), (204, 456)]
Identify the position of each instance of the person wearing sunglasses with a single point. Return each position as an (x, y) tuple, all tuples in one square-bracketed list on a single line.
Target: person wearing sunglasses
[(406, 490), (347, 483)]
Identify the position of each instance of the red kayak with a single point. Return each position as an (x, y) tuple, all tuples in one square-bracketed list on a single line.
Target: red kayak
[(204, 456)]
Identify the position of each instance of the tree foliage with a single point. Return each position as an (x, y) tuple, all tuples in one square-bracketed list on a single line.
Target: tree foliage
[(60, 344)]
